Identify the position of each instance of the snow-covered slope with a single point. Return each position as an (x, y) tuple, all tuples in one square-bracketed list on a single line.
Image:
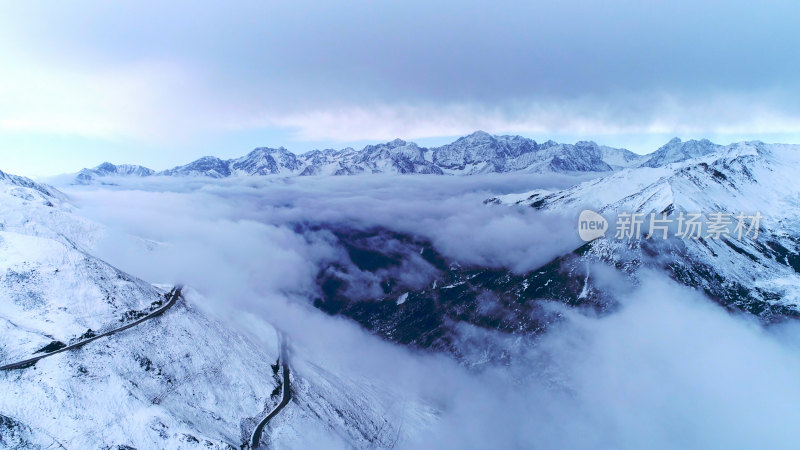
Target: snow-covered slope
[(183, 379), (759, 275), (209, 166), (174, 381), (37, 209), (676, 151), (26, 189), (15, 434), (51, 291)]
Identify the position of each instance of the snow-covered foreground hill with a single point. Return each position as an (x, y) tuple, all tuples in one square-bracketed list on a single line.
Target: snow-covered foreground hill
[(183, 379), (180, 380)]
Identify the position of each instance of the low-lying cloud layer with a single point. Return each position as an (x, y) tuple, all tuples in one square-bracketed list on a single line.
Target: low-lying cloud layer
[(447, 211), (667, 369)]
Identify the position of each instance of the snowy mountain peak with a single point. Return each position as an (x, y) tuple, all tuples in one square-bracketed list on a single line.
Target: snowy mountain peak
[(266, 161), (586, 144), (397, 143), (267, 151), (397, 156), (480, 134), (676, 151), (477, 136), (107, 169), (123, 169), (209, 166)]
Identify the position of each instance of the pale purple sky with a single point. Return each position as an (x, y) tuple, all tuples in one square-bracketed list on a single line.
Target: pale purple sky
[(163, 83)]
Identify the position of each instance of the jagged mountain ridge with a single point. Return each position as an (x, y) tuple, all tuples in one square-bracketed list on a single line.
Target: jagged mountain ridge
[(15, 182), (677, 151), (758, 275), (87, 176), (476, 153)]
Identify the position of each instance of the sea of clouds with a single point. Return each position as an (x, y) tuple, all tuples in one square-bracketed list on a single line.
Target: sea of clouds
[(667, 369)]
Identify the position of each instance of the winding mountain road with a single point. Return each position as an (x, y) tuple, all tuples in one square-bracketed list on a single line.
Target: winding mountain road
[(255, 441), (172, 297)]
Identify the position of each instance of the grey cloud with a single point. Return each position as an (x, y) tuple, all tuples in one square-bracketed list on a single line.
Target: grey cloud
[(449, 211), (259, 59), (160, 84), (668, 368)]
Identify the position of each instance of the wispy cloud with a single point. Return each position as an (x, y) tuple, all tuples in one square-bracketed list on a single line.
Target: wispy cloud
[(641, 114)]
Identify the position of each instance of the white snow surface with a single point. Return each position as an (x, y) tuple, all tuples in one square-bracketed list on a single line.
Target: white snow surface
[(746, 177), (185, 379)]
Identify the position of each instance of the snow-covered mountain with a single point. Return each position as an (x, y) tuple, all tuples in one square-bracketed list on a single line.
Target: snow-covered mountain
[(676, 151), (397, 156), (182, 379), (209, 166), (479, 152), (261, 161), (759, 275), (158, 385), (88, 176), (266, 161)]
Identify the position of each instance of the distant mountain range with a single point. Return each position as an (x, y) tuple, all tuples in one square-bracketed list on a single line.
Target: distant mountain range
[(754, 275), (476, 153)]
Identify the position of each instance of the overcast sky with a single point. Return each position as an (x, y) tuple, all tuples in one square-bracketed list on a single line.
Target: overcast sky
[(163, 83)]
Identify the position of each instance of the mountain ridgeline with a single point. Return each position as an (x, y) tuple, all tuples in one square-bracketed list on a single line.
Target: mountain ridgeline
[(461, 305), (476, 153)]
